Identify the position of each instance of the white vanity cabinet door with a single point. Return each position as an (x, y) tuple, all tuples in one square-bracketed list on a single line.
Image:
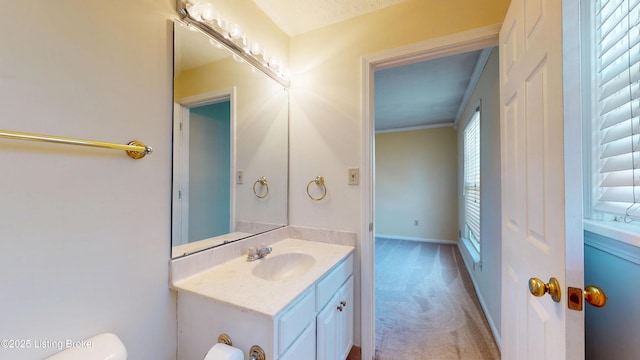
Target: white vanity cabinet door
[(345, 319), (335, 325), (327, 332)]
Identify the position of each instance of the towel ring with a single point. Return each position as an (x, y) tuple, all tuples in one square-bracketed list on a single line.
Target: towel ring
[(319, 180), (261, 181)]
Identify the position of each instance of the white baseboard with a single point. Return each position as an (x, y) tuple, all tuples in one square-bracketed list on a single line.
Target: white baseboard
[(411, 238), (487, 315)]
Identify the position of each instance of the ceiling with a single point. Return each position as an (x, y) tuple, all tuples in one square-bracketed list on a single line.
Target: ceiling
[(295, 17), (427, 93)]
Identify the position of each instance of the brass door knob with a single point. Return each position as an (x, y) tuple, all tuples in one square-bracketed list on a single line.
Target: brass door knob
[(537, 287), (595, 296)]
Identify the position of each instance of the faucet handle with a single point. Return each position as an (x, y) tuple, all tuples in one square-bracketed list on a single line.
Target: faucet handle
[(252, 252)]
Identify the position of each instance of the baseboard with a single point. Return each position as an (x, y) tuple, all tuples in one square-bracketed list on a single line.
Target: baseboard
[(492, 325), (410, 238)]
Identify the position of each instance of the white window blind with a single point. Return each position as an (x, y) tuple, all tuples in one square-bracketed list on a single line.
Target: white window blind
[(617, 91), (472, 179)]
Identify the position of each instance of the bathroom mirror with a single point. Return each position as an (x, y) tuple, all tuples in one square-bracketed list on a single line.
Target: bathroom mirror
[(230, 146)]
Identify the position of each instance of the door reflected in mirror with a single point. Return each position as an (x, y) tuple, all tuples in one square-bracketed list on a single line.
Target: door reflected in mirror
[(230, 147)]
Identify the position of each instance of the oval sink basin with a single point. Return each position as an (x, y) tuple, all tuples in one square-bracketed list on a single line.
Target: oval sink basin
[(283, 266)]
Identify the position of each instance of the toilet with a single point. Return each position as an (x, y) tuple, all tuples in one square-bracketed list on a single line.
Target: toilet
[(105, 346)]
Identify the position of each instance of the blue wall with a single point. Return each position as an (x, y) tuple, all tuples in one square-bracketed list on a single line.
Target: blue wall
[(209, 170), (612, 332)]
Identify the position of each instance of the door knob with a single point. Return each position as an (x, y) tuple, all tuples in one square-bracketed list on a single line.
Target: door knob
[(537, 287), (595, 296), (591, 294)]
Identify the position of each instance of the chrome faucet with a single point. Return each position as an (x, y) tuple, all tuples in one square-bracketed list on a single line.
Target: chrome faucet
[(259, 253)]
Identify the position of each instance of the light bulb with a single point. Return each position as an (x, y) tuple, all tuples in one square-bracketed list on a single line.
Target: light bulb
[(256, 49), (203, 11), (274, 62), (234, 31)]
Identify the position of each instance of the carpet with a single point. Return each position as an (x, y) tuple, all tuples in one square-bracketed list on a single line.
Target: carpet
[(426, 307)]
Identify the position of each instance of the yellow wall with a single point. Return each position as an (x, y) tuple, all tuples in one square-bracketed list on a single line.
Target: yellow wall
[(326, 99), (326, 67), (416, 179)]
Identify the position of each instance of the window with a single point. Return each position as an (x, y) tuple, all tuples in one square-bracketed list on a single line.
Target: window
[(616, 111), (472, 179)]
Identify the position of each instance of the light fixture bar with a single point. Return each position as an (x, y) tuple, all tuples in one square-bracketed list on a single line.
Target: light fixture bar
[(231, 46)]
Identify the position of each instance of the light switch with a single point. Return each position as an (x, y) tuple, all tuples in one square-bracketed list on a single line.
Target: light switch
[(354, 176), (239, 177)]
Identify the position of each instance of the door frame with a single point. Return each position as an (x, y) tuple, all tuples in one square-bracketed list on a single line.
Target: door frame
[(180, 206), (471, 40)]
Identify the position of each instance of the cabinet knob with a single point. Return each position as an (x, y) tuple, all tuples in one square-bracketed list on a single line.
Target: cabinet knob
[(340, 307), (344, 303)]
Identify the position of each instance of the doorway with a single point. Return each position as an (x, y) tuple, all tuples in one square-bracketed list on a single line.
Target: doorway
[(451, 45), (203, 147), (426, 304), (209, 187)]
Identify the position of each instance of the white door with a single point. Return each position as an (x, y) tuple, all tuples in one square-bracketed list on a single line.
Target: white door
[(541, 214)]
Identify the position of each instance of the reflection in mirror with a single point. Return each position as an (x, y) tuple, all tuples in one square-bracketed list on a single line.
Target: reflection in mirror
[(230, 161)]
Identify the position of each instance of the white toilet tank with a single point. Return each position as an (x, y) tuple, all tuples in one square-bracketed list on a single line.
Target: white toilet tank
[(105, 346)]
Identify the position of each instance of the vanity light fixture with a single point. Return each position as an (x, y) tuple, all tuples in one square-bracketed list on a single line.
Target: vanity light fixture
[(203, 17)]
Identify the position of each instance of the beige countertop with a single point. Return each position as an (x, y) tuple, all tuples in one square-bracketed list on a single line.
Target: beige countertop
[(234, 284)]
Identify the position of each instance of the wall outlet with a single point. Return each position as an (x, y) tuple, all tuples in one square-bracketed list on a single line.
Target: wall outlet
[(354, 176)]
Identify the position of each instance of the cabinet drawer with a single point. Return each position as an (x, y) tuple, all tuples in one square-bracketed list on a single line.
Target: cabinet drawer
[(296, 319), (328, 286)]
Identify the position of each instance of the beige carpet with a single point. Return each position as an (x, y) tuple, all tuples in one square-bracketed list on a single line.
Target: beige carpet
[(426, 307)]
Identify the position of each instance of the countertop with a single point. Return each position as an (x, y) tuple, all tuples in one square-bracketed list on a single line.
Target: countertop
[(234, 284)]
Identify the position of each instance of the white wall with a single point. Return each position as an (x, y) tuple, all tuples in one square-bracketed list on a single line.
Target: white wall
[(486, 278), (416, 179), (85, 233)]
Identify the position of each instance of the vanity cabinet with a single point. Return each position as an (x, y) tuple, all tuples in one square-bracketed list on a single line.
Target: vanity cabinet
[(333, 324), (315, 324)]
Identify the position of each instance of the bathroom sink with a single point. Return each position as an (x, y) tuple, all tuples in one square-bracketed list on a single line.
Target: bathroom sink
[(283, 266)]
